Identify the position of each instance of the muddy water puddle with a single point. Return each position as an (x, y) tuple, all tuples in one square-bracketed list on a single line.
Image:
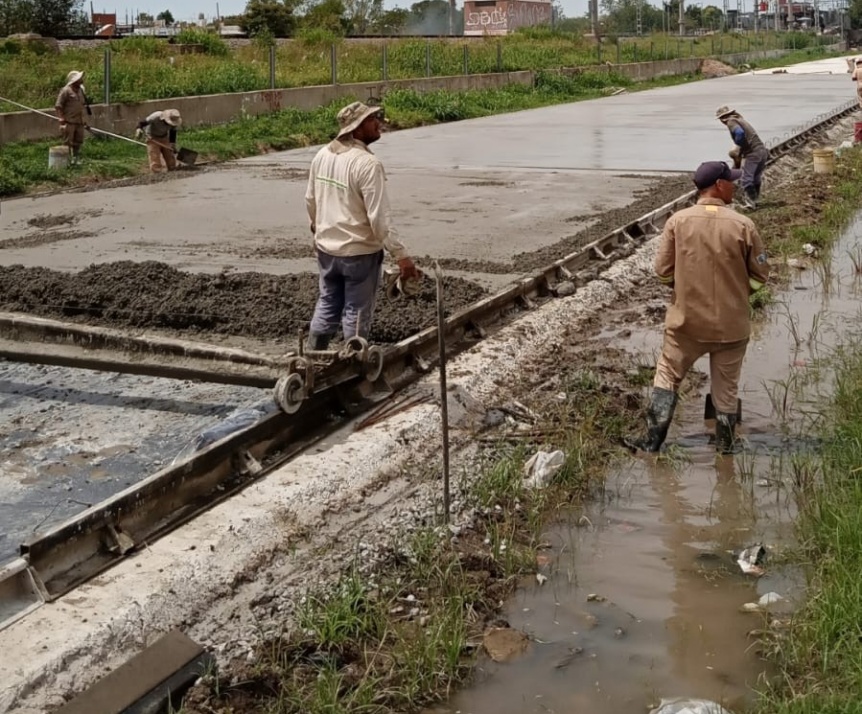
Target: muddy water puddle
[(644, 598)]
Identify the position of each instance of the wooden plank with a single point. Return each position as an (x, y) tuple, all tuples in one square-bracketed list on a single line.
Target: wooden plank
[(148, 675)]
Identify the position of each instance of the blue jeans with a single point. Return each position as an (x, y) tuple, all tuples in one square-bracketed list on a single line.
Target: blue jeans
[(348, 289)]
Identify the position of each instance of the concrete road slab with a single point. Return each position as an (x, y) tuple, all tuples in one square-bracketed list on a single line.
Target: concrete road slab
[(483, 189)]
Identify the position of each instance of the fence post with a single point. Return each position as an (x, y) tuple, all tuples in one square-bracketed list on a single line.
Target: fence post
[(466, 59), (712, 45), (650, 51), (499, 56), (720, 45), (272, 67), (385, 62), (333, 63), (619, 52), (679, 49), (427, 58), (635, 52), (599, 52), (107, 75)]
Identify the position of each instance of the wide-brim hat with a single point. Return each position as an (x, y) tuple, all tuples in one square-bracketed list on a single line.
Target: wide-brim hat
[(859, 60), (351, 116), (73, 77), (172, 117), (723, 112)]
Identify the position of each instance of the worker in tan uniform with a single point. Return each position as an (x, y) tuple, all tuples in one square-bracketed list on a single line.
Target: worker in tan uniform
[(857, 77), (714, 259), (349, 214), (70, 107), (160, 129)]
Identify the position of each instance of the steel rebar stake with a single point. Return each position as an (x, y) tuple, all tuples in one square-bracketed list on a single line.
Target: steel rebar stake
[(444, 404)]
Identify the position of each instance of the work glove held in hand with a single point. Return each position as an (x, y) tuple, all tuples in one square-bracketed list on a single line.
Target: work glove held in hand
[(407, 269)]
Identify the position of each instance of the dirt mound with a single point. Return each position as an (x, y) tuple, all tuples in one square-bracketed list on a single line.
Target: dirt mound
[(710, 69), (155, 295)]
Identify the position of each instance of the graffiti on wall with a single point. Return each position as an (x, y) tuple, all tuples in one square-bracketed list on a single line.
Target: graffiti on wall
[(498, 17)]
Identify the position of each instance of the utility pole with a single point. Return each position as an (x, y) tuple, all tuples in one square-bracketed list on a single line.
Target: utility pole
[(640, 18), (594, 18), (681, 18)]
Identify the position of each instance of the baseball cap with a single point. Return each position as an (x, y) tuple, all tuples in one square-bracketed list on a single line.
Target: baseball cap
[(711, 171)]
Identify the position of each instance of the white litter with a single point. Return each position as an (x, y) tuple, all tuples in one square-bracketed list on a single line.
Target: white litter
[(541, 467), (682, 705), (769, 599)]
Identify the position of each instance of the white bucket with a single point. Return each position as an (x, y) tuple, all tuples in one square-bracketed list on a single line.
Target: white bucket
[(824, 161), (58, 157)]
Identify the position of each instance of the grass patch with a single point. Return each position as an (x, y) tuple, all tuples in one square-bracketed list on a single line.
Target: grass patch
[(147, 68), (24, 165), (822, 652)]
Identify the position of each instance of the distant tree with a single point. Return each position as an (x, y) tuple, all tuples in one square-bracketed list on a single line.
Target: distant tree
[(328, 15), (711, 17), (166, 17), (232, 19), (363, 15), (392, 22), (15, 16), (276, 17), (53, 18), (144, 18)]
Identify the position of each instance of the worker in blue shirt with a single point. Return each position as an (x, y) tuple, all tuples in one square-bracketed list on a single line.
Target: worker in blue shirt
[(748, 151)]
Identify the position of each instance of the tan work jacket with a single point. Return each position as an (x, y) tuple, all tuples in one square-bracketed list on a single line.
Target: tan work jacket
[(347, 202), (70, 105), (714, 258)]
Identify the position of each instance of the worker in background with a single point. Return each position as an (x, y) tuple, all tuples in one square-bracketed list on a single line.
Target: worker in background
[(70, 107), (160, 128), (749, 151), (714, 259), (857, 77), (348, 207)]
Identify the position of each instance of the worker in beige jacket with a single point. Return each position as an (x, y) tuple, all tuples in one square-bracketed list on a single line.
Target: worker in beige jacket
[(857, 77), (70, 106), (714, 259), (348, 207)]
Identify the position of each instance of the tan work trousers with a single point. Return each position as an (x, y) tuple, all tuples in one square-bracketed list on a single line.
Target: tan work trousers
[(73, 137), (156, 151), (679, 353)]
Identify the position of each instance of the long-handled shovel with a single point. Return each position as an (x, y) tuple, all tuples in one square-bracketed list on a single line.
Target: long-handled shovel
[(186, 156)]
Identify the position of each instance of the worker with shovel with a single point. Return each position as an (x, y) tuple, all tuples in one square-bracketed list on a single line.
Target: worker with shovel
[(348, 208), (160, 128), (748, 150), (70, 107), (714, 259)]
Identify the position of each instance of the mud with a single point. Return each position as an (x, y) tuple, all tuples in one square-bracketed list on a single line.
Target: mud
[(155, 295), (43, 238), (656, 194), (711, 68)]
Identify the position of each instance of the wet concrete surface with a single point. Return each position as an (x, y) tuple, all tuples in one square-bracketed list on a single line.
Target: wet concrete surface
[(71, 438), (657, 545)]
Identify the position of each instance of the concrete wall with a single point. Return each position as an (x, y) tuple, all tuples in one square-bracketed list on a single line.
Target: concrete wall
[(220, 108)]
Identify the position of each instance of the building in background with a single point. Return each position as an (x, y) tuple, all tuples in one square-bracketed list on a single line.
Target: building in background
[(500, 17)]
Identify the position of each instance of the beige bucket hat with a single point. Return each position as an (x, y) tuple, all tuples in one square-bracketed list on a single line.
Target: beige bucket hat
[(172, 117), (723, 112), (351, 116), (73, 77)]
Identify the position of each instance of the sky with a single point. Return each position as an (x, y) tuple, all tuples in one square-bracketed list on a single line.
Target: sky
[(189, 9)]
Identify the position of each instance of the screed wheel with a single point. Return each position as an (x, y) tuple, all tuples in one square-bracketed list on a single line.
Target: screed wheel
[(289, 393), (373, 363)]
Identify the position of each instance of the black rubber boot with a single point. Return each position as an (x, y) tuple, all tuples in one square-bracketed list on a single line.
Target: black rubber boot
[(659, 415), (726, 442), (751, 198), (317, 343)]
